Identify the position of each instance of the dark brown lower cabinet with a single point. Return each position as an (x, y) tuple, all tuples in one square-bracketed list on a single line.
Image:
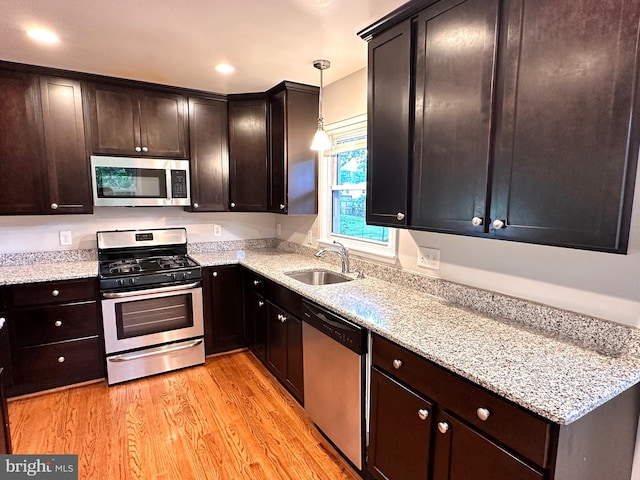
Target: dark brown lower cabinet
[(223, 309), (5, 435), (401, 424), (284, 349), (255, 315)]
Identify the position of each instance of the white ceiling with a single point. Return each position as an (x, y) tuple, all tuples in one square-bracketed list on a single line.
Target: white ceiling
[(177, 43)]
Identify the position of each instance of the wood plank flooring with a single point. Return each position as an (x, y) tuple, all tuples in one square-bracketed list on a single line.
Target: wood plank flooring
[(226, 420)]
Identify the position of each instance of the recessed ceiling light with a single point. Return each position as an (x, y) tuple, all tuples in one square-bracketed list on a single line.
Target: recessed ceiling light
[(42, 35), (224, 68)]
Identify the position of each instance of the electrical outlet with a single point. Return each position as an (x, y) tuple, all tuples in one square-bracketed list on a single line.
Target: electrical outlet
[(429, 258), (65, 237), (217, 230), (278, 230), (310, 237)]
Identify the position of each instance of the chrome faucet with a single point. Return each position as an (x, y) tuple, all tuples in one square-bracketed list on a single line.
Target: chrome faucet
[(342, 252)]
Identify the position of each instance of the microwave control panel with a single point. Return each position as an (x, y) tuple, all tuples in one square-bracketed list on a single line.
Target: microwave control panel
[(178, 184)]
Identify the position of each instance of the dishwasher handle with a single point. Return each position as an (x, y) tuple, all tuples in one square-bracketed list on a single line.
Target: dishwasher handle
[(352, 336)]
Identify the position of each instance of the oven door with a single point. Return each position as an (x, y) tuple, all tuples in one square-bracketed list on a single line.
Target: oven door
[(147, 318)]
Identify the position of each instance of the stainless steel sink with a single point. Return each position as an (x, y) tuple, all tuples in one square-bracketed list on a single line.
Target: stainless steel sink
[(318, 277)]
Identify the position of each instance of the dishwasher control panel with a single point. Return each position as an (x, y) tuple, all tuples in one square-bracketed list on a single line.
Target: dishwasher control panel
[(341, 330)]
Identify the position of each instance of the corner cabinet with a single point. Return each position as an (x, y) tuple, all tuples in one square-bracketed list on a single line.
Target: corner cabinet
[(293, 171), (429, 423), (209, 155), (125, 121), (44, 165), (523, 131), (248, 153)]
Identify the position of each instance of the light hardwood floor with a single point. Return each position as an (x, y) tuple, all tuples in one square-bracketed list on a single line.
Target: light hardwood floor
[(228, 420)]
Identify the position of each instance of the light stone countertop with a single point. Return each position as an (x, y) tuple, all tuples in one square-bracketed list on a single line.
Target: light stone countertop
[(557, 379)]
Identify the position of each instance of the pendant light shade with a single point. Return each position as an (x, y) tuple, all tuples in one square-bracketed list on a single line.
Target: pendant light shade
[(321, 140)]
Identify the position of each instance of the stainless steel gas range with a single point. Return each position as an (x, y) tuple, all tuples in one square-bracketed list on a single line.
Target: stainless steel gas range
[(151, 302)]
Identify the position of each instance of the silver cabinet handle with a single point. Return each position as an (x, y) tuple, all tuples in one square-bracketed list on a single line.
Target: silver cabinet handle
[(2, 320), (54, 206), (195, 205), (214, 274), (397, 363), (145, 149), (232, 204), (260, 303), (58, 323), (257, 282), (400, 216), (443, 427), (423, 413), (282, 206), (138, 149), (282, 318), (55, 293), (476, 221), (498, 224), (61, 359), (483, 413)]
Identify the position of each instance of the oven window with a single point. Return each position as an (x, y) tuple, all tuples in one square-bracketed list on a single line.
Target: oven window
[(116, 182), (144, 317)]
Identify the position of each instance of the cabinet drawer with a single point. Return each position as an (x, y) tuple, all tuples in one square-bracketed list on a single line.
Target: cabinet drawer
[(55, 324), (59, 364), (284, 298), (52, 292), (520, 430), (254, 282)]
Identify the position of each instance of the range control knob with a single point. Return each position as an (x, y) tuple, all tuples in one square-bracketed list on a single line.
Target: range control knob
[(132, 280)]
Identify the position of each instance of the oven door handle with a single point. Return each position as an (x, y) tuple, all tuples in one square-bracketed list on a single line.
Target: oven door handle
[(137, 293), (154, 351)]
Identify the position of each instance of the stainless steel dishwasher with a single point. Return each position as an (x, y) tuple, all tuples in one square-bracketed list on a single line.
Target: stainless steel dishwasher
[(334, 353)]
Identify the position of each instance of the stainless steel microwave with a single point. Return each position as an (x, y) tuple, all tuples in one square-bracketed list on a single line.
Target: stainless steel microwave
[(139, 182)]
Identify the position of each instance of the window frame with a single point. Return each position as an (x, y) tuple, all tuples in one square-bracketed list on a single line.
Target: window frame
[(327, 185)]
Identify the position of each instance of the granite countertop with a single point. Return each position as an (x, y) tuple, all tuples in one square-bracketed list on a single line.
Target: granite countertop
[(555, 378)]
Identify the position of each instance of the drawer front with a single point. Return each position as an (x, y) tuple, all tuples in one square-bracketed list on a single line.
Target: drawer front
[(58, 364), (254, 282), (284, 298), (52, 292), (520, 430), (55, 324)]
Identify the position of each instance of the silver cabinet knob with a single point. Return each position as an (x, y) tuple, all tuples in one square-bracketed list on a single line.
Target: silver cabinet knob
[(483, 413), (233, 205), (282, 206), (138, 149), (282, 318), (257, 282), (195, 205), (61, 359), (55, 293), (2, 320), (397, 363), (145, 149), (443, 427), (214, 274), (54, 206), (58, 323), (400, 216), (498, 224), (260, 303), (476, 221), (423, 413)]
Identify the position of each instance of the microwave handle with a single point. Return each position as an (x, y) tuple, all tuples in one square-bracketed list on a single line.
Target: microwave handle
[(169, 184)]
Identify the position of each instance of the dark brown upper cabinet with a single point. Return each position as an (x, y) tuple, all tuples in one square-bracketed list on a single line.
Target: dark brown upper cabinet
[(209, 155), (293, 172), (43, 157), (65, 148), (521, 119), (248, 152), (136, 122)]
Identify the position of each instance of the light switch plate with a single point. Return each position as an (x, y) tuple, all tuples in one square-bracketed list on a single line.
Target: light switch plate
[(429, 258), (65, 237)]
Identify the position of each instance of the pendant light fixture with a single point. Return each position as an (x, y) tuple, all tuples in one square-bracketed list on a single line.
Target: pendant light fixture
[(321, 140)]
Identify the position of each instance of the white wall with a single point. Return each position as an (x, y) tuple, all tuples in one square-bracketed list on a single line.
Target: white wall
[(40, 233)]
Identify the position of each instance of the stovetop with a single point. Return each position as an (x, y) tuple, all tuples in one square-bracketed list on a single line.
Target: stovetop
[(143, 265)]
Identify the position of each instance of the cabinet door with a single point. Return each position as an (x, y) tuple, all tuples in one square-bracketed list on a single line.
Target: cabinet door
[(389, 120), (5, 435), (255, 331), (248, 155), (456, 57), (567, 141), (21, 149), (223, 318), (400, 431), (462, 453), (277, 341), (66, 151), (115, 120), (209, 155), (295, 375), (278, 153), (163, 124)]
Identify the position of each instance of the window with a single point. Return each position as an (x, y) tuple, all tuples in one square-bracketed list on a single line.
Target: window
[(344, 171)]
